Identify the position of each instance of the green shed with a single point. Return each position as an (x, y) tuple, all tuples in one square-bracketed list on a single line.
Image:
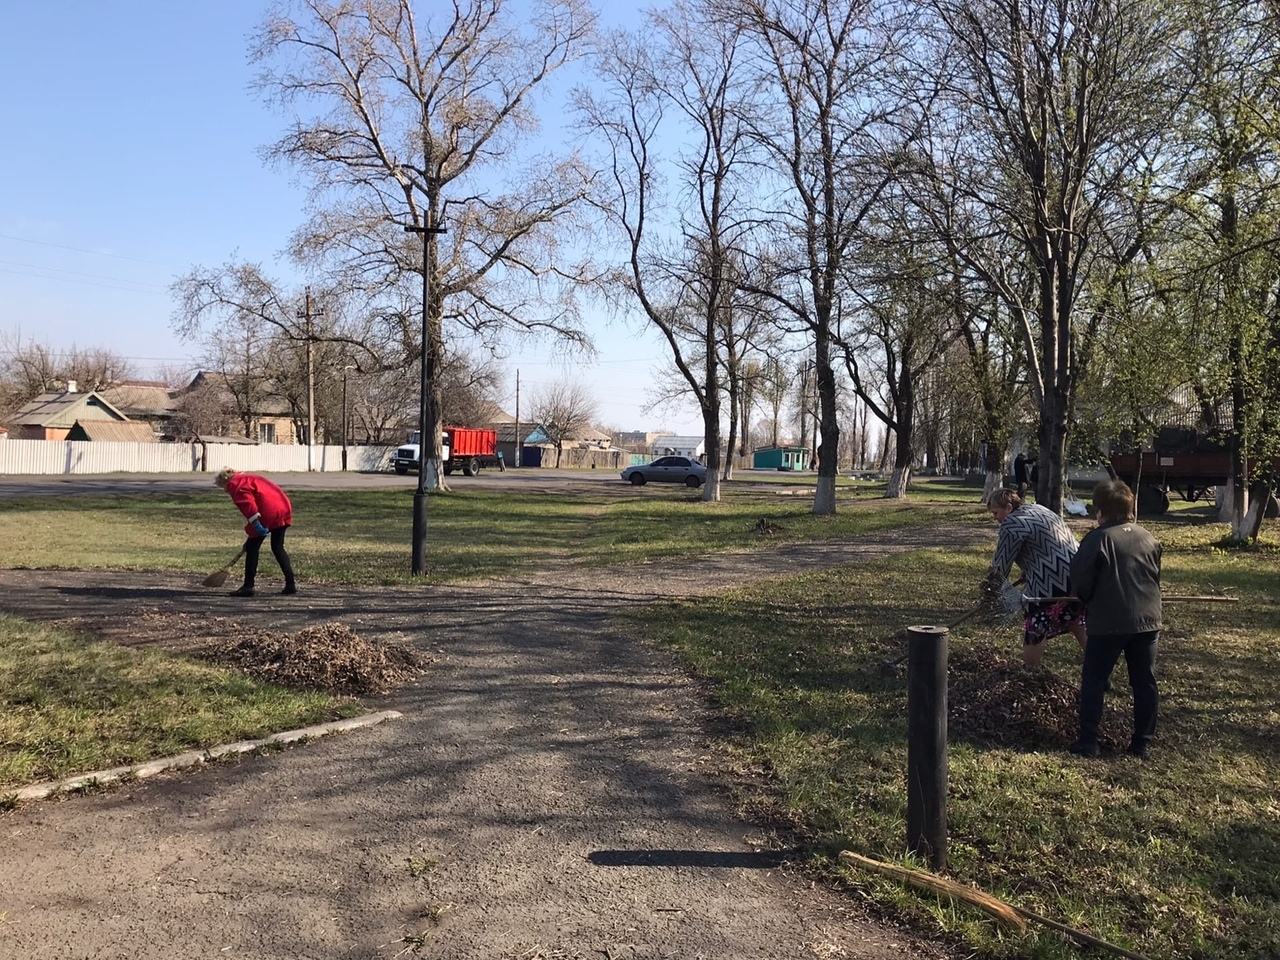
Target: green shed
[(780, 458)]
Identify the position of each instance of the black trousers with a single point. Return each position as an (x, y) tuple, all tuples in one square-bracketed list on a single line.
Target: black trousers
[(254, 544), (1139, 651)]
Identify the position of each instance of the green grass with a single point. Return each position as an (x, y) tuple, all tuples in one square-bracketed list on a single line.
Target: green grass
[(1175, 857), (364, 537), (69, 705)]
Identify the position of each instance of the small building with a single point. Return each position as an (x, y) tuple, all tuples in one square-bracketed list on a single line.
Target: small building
[(112, 431), (51, 416), (780, 458), (673, 446)]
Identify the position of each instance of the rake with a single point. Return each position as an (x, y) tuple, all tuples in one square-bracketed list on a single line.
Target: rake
[(219, 577)]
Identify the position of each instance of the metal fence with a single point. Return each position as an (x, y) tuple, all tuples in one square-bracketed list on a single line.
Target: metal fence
[(83, 456)]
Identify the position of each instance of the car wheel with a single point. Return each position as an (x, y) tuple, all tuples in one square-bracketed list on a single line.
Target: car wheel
[(637, 479), (692, 481)]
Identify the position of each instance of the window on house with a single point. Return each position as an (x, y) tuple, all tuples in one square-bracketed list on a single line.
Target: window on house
[(266, 433)]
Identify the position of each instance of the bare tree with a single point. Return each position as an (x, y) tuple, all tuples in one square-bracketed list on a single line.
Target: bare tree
[(564, 411), (775, 384), (831, 137), (687, 290), (30, 369), (419, 126)]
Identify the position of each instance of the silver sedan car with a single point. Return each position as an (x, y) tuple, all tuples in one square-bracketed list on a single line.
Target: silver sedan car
[(667, 470)]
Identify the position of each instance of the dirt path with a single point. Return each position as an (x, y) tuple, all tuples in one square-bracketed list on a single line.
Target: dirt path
[(549, 793)]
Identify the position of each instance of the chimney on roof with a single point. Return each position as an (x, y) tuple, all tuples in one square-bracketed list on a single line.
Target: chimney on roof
[(71, 386)]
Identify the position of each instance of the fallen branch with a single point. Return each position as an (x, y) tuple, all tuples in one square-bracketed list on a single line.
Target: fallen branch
[(935, 884), (1004, 912)]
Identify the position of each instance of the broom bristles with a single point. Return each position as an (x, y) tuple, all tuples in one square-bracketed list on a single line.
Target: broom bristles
[(216, 579)]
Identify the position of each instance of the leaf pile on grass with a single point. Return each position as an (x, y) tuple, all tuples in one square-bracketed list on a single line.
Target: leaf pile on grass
[(328, 656), (993, 700)]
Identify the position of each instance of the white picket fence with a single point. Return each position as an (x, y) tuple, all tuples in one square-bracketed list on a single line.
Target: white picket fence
[(83, 456)]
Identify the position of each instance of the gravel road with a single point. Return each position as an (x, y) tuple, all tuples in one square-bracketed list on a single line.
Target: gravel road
[(552, 791)]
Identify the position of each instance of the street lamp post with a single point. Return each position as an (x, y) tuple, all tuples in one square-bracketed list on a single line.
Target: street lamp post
[(419, 567), (344, 417)]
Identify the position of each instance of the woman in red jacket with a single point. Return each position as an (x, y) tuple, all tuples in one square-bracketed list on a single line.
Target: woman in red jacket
[(269, 511)]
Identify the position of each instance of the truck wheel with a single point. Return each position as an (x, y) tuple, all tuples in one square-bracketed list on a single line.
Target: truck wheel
[(448, 469), (401, 470), (1152, 501), (471, 467)]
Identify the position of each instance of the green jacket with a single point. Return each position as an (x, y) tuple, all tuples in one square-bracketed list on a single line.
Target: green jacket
[(1116, 572)]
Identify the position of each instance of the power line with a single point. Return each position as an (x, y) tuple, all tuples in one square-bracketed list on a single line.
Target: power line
[(76, 273), (96, 253)]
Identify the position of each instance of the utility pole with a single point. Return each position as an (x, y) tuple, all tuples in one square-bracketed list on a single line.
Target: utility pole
[(518, 444), (305, 314)]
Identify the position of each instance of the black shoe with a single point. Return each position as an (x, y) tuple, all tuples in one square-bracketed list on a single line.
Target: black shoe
[(242, 592), (289, 590), (1082, 749), (1138, 750)]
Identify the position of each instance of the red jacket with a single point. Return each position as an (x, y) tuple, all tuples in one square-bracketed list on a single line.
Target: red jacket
[(258, 495)]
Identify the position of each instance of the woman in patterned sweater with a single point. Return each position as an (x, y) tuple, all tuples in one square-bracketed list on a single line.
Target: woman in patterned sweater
[(1042, 546)]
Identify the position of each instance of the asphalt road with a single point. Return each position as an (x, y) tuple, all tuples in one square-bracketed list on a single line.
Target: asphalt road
[(42, 485)]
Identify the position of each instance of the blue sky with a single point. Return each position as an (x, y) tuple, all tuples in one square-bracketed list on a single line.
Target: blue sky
[(130, 155)]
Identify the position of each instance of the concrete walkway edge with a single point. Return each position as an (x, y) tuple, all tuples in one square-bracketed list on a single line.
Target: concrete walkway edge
[(39, 791)]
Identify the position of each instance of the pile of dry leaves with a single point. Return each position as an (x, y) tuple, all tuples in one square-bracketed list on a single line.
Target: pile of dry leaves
[(996, 701), (328, 656)]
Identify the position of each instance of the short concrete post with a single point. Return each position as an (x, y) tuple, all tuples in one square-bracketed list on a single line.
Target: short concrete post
[(927, 743)]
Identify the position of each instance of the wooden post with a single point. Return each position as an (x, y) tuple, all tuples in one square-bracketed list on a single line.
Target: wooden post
[(927, 743)]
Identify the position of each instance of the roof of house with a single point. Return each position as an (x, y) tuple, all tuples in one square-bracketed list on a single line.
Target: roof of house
[(112, 431), (214, 438), (265, 407), (140, 398), (507, 431), (669, 443), (64, 409), (494, 415)]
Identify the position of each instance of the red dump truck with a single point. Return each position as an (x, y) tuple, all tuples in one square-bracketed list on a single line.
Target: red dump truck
[(463, 448)]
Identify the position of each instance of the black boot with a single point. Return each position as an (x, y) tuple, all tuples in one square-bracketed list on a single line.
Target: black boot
[(289, 589), (242, 592)]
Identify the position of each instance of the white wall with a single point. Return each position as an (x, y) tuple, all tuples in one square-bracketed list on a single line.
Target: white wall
[(83, 456)]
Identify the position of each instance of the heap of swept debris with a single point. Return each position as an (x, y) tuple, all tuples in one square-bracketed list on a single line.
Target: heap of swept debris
[(329, 656), (993, 700)]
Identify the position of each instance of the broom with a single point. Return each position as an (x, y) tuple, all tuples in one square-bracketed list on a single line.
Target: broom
[(219, 577)]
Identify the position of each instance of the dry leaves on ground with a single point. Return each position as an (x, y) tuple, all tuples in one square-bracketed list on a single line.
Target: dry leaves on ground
[(994, 700), (328, 656)]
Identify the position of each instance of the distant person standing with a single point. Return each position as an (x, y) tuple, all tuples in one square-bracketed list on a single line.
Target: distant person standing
[(1116, 573), (269, 513), (1020, 474)]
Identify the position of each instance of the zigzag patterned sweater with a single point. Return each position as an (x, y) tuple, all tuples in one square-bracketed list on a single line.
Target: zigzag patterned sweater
[(1041, 544)]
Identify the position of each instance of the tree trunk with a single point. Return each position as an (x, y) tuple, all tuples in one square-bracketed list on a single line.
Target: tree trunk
[(898, 482), (824, 499), (993, 469), (1259, 498)]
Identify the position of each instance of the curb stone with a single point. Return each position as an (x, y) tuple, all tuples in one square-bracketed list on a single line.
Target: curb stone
[(39, 791)]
